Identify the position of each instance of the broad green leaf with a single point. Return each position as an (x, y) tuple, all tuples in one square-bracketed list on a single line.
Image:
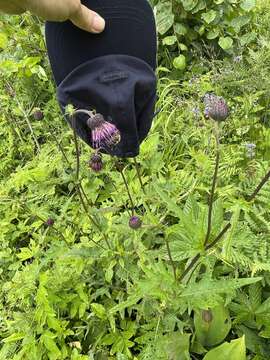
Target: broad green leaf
[(212, 325), (169, 40), (235, 350), (248, 5), (212, 34), (180, 62), (225, 43), (180, 29), (209, 16), (177, 346), (165, 16), (188, 5)]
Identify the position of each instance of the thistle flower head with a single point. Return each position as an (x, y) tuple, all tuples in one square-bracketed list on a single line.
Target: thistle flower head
[(135, 222), (215, 107), (95, 162), (104, 134), (38, 114), (49, 222)]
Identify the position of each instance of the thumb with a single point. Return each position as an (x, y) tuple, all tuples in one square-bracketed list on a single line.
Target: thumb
[(88, 20)]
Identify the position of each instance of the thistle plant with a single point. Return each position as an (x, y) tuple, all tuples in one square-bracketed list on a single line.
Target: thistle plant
[(217, 109), (82, 196)]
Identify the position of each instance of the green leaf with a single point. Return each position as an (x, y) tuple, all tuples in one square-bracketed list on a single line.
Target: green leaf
[(177, 346), (225, 43), (169, 40), (209, 16), (235, 350), (212, 325), (3, 40), (248, 5), (165, 17), (188, 5), (180, 62), (14, 337), (180, 29), (98, 310), (212, 34)]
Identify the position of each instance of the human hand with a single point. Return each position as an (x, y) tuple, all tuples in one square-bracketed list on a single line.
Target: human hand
[(59, 10)]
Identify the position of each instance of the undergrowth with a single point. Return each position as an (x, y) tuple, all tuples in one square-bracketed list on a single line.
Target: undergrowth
[(72, 288)]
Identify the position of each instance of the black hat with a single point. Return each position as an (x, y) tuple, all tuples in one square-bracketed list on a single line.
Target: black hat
[(112, 73)]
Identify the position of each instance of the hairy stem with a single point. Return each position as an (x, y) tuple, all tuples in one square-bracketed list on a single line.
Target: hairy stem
[(208, 247), (214, 182), (76, 147), (127, 188), (92, 220), (139, 175), (59, 146), (259, 187), (82, 111)]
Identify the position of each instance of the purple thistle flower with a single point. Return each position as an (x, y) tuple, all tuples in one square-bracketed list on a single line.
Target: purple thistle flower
[(215, 107), (135, 222), (104, 134), (95, 162)]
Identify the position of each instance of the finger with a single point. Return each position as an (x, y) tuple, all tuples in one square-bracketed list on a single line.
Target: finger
[(88, 20)]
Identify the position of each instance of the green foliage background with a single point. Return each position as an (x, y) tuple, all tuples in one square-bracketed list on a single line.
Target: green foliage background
[(64, 293)]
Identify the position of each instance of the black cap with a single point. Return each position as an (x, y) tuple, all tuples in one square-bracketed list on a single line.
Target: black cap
[(112, 73)]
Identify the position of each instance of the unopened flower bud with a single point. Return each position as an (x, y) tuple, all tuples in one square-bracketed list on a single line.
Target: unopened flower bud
[(95, 162), (135, 222)]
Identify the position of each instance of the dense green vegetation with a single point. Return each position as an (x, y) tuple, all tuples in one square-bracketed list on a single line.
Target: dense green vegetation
[(76, 282)]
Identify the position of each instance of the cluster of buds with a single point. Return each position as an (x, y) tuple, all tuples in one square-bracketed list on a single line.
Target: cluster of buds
[(215, 107)]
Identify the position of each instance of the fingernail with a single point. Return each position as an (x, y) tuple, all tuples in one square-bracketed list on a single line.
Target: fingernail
[(98, 24)]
